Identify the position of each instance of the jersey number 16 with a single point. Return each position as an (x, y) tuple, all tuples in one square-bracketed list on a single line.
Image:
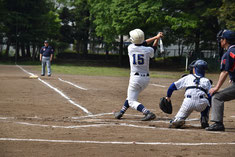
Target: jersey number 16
[(138, 59)]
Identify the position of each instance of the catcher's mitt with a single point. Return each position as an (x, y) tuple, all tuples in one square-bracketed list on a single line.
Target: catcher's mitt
[(165, 105)]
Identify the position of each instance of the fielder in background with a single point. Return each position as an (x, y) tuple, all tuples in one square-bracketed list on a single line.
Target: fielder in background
[(196, 94), (226, 40), (46, 56), (139, 56)]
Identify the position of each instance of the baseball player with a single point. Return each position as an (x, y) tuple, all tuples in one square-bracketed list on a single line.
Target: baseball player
[(46, 55), (226, 39), (139, 56), (196, 95)]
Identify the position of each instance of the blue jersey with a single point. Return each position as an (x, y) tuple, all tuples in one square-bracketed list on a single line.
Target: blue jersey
[(46, 51), (228, 62)]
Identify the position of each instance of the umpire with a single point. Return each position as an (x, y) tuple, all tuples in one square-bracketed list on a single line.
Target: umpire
[(227, 67), (46, 56)]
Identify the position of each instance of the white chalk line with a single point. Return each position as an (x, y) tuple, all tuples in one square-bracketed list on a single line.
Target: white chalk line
[(104, 124), (72, 84), (65, 96), (157, 85), (31, 74), (115, 142), (90, 116), (58, 91)]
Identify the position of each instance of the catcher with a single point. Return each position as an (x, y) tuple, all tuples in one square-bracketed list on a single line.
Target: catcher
[(196, 95)]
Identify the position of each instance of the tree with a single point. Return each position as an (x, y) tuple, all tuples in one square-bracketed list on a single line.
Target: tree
[(193, 22), (227, 14), (29, 24)]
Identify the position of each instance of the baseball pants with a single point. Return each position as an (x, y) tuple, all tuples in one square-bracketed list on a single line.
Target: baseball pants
[(136, 85), (46, 62), (191, 104), (218, 99)]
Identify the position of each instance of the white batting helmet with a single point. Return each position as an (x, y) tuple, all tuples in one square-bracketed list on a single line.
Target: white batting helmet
[(137, 36)]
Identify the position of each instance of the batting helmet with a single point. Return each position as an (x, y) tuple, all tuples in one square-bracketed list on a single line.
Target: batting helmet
[(228, 35), (137, 36)]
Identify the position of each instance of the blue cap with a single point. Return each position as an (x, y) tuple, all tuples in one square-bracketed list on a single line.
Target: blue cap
[(228, 34), (45, 41)]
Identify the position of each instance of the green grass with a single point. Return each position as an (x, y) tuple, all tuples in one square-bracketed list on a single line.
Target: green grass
[(90, 70), (97, 70), (107, 71)]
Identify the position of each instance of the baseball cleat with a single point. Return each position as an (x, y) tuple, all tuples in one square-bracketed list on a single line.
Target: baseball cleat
[(216, 127), (118, 115), (149, 116), (177, 123)]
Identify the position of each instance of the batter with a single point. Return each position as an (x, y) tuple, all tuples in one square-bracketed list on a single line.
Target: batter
[(139, 56)]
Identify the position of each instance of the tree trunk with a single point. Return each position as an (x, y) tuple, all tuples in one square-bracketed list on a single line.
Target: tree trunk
[(28, 51), (34, 53), (8, 48), (23, 50), (179, 44), (121, 50), (77, 46), (197, 44), (17, 52)]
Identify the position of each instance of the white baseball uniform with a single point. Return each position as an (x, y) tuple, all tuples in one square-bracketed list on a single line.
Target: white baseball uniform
[(139, 57), (195, 98)]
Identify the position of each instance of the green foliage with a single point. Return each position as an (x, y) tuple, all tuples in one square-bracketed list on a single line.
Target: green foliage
[(184, 22), (227, 14), (101, 15)]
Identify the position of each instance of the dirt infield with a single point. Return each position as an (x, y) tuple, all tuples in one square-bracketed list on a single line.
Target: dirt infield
[(71, 115)]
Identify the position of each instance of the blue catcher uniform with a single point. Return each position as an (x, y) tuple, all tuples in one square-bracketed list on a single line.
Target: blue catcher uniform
[(227, 68), (196, 94), (46, 52)]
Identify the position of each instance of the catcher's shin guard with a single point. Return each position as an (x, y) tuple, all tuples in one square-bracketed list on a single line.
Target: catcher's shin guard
[(205, 117)]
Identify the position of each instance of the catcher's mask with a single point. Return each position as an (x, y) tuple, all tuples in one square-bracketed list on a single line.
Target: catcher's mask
[(137, 36), (200, 67)]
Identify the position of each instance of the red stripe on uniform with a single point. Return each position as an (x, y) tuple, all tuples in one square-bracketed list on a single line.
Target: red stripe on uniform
[(223, 61), (233, 56)]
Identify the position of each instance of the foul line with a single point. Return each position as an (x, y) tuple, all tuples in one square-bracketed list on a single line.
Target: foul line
[(103, 124), (72, 84), (157, 85), (114, 142), (58, 91)]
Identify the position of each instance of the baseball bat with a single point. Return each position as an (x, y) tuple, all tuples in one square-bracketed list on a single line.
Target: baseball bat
[(161, 46)]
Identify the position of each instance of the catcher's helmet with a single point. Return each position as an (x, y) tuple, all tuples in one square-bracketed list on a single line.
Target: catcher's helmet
[(200, 67), (228, 35), (199, 64), (137, 36)]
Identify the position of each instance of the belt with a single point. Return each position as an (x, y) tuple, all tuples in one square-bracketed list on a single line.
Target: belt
[(201, 96), (145, 75)]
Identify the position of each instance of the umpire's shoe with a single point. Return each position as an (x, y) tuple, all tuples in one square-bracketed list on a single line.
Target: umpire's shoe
[(118, 115), (217, 126), (149, 116)]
